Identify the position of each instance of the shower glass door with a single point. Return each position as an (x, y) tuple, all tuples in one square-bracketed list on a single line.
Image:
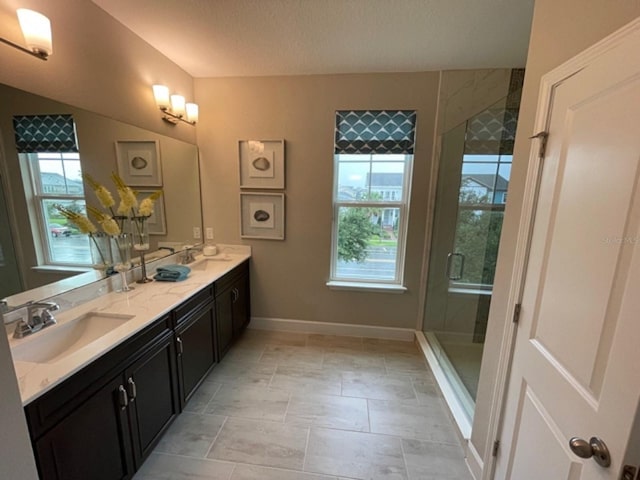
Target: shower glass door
[(473, 176)]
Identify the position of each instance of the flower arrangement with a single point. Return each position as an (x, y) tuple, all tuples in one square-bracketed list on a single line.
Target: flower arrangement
[(113, 221)]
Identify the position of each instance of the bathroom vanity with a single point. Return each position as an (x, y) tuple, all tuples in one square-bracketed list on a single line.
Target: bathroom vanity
[(95, 411)]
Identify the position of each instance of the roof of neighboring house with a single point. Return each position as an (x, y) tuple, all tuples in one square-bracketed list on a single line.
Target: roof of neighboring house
[(488, 180), (57, 180), (385, 179)]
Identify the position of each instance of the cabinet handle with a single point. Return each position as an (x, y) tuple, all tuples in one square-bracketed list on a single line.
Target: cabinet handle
[(236, 295), (180, 347), (131, 389), (122, 397)]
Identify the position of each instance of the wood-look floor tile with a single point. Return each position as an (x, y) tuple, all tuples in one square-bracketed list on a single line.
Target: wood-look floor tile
[(378, 387), (355, 455), (254, 472), (159, 466), (434, 461), (191, 435), (306, 380), (423, 422), (268, 444), (259, 403), (328, 411)]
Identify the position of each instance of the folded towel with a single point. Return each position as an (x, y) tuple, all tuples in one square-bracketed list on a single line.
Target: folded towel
[(172, 273)]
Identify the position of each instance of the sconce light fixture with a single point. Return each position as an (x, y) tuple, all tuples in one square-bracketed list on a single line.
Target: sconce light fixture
[(174, 107), (36, 29)]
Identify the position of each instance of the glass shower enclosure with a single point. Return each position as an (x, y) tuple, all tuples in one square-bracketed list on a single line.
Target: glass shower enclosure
[(473, 178)]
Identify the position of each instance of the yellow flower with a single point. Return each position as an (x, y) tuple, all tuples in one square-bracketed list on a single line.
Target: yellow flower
[(108, 224), (128, 199), (104, 196), (83, 223), (146, 205)]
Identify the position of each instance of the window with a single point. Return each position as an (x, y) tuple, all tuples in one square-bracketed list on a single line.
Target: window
[(49, 154), (372, 176), (57, 180), (482, 198)]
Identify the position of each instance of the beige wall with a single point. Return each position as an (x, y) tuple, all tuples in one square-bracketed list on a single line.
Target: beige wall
[(560, 30), (288, 278), (100, 66), (97, 64)]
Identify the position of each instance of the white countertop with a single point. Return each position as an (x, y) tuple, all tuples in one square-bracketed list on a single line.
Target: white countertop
[(147, 302)]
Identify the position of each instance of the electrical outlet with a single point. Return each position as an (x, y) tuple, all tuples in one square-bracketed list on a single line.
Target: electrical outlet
[(196, 232), (209, 231)]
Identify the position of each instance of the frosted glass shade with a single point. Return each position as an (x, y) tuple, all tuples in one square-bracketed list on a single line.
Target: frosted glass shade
[(192, 112), (177, 105), (36, 29), (161, 95)]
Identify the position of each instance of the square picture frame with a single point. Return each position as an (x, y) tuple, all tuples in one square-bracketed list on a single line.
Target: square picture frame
[(262, 215), (156, 223), (262, 164), (139, 162)]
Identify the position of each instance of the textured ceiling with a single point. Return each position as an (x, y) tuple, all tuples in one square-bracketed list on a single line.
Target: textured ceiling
[(211, 38)]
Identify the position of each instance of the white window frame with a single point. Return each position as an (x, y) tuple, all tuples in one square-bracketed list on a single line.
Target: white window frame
[(37, 208), (402, 204)]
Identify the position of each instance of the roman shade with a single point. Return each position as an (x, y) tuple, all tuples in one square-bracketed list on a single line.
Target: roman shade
[(375, 131), (45, 133)]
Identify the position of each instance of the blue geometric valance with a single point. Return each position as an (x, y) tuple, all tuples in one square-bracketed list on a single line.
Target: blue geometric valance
[(45, 133), (375, 131)]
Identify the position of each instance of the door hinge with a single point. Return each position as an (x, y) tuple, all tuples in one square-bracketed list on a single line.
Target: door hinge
[(496, 446), (516, 312), (542, 148)]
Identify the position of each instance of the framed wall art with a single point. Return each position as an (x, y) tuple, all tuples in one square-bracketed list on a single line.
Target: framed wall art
[(262, 215), (139, 163), (261, 164), (157, 222)]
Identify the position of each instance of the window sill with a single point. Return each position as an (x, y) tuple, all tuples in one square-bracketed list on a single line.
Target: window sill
[(366, 287), (60, 269)]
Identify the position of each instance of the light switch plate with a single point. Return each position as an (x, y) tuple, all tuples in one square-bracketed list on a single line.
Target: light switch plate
[(196, 232), (209, 231)]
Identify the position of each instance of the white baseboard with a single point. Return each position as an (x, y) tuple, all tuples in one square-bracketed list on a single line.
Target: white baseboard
[(474, 461), (326, 328)]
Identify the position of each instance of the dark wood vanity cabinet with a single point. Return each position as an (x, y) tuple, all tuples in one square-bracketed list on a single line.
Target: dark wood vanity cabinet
[(232, 306), (103, 422), (196, 345)]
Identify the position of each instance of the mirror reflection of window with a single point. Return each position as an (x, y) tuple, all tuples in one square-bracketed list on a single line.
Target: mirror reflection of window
[(57, 180)]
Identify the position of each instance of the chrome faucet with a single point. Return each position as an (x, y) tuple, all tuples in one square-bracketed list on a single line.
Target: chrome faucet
[(39, 316), (189, 252)]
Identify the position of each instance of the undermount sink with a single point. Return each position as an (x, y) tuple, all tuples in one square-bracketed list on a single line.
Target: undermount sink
[(208, 263), (59, 341)]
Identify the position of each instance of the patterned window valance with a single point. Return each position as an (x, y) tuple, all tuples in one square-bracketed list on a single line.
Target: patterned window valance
[(492, 132), (45, 133), (375, 131)]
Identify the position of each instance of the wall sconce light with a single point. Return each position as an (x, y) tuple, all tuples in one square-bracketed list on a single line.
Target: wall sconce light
[(174, 107), (36, 29)]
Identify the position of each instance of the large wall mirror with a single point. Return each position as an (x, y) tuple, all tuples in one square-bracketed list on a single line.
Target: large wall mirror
[(104, 146)]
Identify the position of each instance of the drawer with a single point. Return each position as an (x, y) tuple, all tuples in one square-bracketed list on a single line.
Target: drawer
[(186, 309), (230, 278)]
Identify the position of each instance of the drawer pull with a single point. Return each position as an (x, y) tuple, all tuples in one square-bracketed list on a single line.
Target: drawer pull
[(122, 397), (131, 389)]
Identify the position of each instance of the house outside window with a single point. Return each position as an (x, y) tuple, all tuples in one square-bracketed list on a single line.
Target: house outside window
[(373, 161)]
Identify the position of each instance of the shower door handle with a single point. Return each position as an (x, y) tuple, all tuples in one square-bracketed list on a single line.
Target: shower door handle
[(450, 257)]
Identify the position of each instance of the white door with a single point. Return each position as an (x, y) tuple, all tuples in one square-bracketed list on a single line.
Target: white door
[(576, 360)]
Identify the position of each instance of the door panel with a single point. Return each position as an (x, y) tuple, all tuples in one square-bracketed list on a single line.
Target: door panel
[(541, 449), (575, 362)]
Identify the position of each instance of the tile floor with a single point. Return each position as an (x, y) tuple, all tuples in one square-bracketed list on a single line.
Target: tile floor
[(292, 406)]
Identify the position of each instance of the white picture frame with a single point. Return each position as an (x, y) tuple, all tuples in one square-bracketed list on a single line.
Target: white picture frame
[(157, 222), (262, 215), (139, 162), (262, 164)]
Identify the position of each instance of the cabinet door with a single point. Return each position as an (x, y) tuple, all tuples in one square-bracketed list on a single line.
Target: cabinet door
[(152, 389), (196, 350), (92, 442), (241, 302), (224, 321)]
